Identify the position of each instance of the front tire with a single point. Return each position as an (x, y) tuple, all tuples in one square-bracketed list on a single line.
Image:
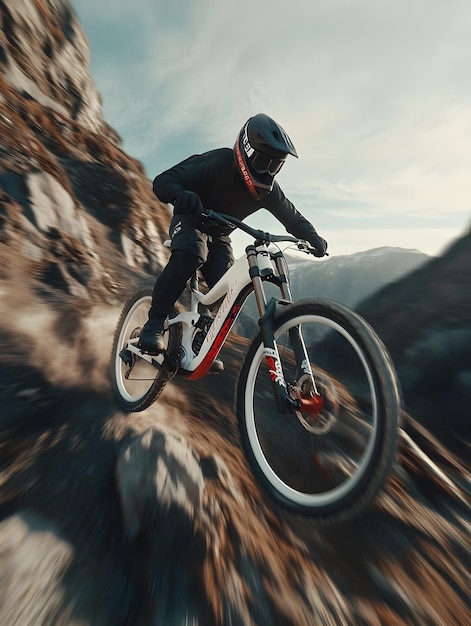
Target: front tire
[(135, 382), (331, 465)]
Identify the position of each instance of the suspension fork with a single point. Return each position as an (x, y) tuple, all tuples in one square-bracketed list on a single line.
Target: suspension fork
[(267, 313), (296, 338)]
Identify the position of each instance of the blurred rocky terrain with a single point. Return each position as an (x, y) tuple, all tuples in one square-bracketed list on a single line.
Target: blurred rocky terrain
[(153, 518), (425, 320)]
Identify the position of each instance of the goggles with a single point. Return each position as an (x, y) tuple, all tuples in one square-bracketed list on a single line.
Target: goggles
[(265, 164)]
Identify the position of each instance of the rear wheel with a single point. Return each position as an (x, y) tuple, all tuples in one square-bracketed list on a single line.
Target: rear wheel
[(136, 379), (329, 459)]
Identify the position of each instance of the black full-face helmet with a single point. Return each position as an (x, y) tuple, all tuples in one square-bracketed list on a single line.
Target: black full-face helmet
[(260, 151)]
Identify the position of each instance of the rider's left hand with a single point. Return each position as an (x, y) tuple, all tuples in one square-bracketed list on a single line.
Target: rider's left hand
[(320, 245)]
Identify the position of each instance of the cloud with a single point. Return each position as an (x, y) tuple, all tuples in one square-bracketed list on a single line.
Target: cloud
[(375, 95)]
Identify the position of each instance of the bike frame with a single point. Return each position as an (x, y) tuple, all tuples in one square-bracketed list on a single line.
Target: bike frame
[(265, 263), (234, 287)]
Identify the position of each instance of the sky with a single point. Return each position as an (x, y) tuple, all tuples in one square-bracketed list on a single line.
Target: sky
[(375, 95)]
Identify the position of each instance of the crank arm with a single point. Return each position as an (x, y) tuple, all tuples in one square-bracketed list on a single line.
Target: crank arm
[(150, 358)]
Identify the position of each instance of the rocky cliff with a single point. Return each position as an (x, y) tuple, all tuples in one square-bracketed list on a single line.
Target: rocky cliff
[(109, 519), (76, 213)]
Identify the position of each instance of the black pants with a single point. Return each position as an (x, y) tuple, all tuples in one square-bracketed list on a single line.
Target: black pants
[(192, 249)]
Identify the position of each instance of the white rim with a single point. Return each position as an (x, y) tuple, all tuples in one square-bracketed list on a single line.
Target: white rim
[(123, 391), (298, 497)]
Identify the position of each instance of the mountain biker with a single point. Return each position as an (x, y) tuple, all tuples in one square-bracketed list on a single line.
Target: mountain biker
[(236, 182)]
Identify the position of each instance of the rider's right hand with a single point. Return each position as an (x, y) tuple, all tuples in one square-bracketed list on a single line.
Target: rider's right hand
[(187, 203)]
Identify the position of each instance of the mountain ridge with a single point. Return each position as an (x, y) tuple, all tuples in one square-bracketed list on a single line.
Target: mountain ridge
[(348, 279)]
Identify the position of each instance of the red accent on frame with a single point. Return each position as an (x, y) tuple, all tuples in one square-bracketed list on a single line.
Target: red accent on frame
[(205, 365)]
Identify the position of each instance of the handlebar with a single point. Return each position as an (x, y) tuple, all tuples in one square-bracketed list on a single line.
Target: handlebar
[(258, 235)]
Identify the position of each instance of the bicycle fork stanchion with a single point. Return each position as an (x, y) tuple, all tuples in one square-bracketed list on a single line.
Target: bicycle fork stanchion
[(267, 314), (295, 336)]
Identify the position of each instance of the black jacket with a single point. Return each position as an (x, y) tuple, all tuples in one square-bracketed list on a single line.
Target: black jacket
[(214, 177)]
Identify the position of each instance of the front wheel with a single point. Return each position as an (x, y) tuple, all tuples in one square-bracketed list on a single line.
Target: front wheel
[(330, 462), (138, 379)]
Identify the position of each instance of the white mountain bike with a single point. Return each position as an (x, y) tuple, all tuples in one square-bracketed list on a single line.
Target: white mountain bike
[(317, 399)]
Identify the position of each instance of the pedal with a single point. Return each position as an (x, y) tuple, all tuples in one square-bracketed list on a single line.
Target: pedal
[(152, 352), (126, 356), (217, 367)]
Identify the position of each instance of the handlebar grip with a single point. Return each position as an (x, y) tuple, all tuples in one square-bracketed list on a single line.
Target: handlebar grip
[(317, 253)]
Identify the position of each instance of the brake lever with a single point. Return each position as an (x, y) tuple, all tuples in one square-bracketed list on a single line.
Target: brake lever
[(208, 219), (305, 247)]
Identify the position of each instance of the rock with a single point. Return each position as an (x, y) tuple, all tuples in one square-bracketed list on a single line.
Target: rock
[(160, 483), (34, 562)]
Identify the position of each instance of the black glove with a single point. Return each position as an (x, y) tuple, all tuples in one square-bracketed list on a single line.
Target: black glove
[(187, 203), (320, 245)]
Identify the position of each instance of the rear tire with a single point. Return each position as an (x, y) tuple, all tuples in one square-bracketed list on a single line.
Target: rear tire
[(330, 465), (136, 383)]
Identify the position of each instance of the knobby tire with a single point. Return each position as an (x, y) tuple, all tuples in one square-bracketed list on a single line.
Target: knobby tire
[(281, 431), (158, 378)]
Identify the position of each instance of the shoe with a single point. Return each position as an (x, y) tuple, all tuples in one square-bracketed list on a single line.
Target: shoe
[(151, 339)]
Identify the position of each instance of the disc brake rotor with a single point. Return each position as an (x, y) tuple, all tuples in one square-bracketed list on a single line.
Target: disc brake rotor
[(320, 409)]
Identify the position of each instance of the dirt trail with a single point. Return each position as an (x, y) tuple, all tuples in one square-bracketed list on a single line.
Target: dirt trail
[(154, 518)]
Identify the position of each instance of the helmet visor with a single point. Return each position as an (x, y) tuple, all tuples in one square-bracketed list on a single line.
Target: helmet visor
[(265, 164)]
